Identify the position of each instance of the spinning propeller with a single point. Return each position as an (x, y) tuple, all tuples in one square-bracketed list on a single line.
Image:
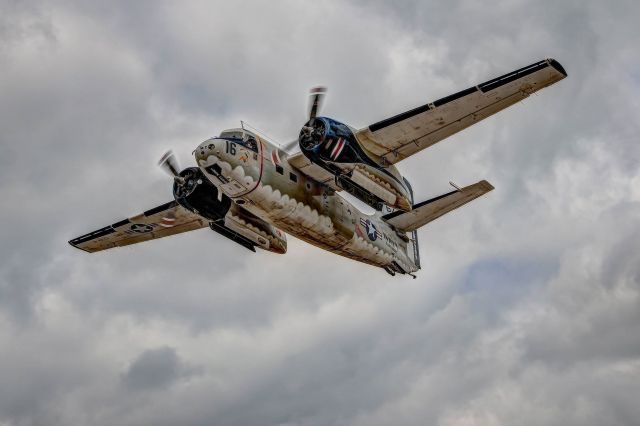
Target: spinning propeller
[(185, 181), (169, 163), (316, 98)]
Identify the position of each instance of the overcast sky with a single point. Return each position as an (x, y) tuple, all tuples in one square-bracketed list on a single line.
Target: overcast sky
[(527, 310)]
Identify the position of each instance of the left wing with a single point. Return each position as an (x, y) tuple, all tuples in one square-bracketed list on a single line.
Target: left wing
[(162, 221), (398, 137)]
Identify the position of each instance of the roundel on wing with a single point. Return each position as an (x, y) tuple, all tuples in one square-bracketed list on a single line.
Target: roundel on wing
[(371, 230), (141, 228)]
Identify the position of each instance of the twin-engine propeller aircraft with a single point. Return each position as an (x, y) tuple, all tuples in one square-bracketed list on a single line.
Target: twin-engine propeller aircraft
[(253, 191)]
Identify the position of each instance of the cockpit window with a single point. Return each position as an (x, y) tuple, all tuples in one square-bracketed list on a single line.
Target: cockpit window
[(231, 135), (251, 144)]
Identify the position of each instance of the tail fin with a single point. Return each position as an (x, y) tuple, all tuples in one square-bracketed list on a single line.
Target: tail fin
[(416, 248), (427, 211), (414, 234)]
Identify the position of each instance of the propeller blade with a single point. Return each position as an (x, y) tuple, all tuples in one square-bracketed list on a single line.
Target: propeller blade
[(317, 95), (169, 164)]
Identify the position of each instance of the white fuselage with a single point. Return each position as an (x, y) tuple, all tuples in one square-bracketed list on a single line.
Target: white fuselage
[(258, 178)]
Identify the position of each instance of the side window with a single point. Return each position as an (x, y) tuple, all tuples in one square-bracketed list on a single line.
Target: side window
[(279, 169), (251, 144), (293, 177)]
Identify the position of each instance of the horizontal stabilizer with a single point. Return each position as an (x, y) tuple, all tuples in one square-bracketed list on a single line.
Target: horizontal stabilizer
[(426, 211)]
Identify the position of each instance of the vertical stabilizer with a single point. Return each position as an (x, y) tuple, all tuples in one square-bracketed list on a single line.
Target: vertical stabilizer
[(414, 234)]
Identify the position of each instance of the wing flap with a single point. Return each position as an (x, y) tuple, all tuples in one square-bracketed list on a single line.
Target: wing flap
[(427, 211), (162, 221), (401, 136)]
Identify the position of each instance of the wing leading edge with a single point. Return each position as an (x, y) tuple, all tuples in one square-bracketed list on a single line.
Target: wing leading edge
[(401, 136), (427, 211), (162, 221)]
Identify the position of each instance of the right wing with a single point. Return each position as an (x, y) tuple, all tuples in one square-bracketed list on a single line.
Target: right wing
[(427, 211), (168, 219), (401, 136)]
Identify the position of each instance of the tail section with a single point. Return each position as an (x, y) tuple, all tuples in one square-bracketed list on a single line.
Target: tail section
[(415, 248)]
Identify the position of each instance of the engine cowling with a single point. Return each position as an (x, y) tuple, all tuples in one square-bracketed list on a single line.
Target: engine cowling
[(333, 146), (328, 140), (196, 193)]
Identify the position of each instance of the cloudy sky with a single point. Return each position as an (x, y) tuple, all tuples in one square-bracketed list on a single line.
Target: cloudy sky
[(527, 310)]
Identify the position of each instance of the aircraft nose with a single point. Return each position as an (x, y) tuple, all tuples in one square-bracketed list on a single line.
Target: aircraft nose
[(206, 149)]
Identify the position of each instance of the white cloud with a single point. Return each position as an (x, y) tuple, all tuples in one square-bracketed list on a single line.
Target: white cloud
[(527, 306)]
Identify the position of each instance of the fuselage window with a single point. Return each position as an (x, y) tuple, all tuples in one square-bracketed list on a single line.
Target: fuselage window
[(293, 177), (279, 169)]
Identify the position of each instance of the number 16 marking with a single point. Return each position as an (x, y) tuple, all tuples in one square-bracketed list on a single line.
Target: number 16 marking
[(231, 147)]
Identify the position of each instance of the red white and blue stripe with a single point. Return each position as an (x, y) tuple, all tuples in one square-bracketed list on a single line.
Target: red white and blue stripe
[(337, 149)]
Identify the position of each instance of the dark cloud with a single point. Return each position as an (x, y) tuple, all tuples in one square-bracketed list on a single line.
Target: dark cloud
[(156, 369), (527, 306)]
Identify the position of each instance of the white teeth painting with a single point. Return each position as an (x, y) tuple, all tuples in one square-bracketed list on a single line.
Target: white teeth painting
[(328, 221)]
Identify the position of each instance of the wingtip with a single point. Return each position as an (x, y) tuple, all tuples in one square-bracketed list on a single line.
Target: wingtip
[(75, 246), (487, 186), (555, 64)]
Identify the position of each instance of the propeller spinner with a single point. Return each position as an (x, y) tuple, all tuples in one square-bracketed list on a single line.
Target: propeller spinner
[(185, 181)]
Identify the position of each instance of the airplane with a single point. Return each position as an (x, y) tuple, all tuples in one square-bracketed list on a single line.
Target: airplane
[(253, 191)]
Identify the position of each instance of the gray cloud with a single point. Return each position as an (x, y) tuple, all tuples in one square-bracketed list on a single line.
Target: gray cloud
[(156, 368), (527, 306)]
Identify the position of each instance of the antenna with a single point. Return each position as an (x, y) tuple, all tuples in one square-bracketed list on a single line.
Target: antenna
[(262, 133)]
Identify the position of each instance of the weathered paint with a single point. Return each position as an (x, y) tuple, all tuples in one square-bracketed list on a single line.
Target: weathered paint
[(268, 187)]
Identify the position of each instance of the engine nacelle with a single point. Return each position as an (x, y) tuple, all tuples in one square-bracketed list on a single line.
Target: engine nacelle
[(333, 146), (196, 193), (328, 140)]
